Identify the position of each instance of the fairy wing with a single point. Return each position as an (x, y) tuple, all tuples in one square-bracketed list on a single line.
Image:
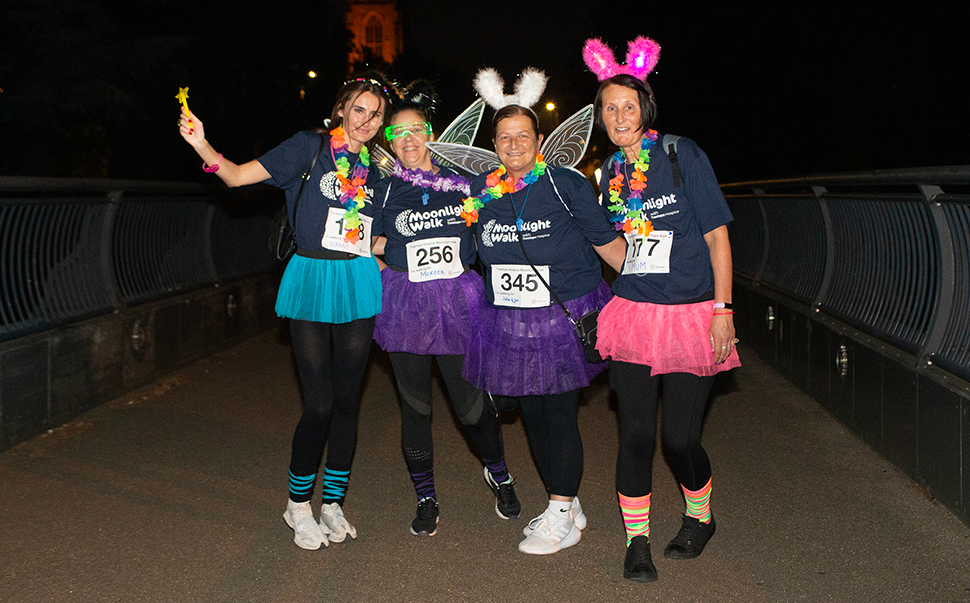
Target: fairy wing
[(382, 159), (567, 143), (471, 159), (465, 127)]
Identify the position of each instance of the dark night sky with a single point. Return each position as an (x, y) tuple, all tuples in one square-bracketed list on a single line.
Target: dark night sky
[(767, 93)]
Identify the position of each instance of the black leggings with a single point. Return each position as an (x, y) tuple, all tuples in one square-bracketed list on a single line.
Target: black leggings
[(331, 359), (552, 424), (682, 414), (413, 375)]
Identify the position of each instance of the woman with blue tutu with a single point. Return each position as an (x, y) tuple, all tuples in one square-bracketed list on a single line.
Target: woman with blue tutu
[(330, 291), (535, 220), (432, 300)]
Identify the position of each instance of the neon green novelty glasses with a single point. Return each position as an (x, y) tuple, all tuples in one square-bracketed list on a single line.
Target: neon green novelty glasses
[(400, 130)]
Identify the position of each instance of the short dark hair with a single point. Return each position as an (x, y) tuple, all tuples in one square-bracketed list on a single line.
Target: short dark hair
[(514, 111), (648, 104)]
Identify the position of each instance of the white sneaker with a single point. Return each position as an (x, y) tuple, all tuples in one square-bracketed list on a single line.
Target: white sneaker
[(551, 534), (576, 510), (307, 534), (333, 522)]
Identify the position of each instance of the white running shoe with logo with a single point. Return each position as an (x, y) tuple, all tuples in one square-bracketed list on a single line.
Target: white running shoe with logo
[(576, 510), (550, 534)]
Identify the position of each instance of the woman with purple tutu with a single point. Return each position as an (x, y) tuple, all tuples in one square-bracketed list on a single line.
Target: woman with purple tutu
[(524, 347), (431, 302), (671, 320), (330, 290)]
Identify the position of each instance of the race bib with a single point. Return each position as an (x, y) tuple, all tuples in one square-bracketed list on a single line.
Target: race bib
[(518, 286), (333, 235), (648, 254), (433, 259)]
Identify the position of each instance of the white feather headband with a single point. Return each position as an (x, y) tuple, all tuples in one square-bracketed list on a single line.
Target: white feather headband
[(528, 89)]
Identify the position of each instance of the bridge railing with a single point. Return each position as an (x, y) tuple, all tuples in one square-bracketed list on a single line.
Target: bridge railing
[(72, 249), (887, 252)]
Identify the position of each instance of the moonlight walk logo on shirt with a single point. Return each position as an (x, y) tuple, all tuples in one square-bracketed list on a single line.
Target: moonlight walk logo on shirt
[(493, 232), (410, 222)]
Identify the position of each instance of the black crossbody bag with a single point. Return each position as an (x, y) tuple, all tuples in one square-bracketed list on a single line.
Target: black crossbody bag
[(282, 235), (586, 325)]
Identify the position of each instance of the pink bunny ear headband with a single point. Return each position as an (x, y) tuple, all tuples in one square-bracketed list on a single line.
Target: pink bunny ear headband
[(641, 57)]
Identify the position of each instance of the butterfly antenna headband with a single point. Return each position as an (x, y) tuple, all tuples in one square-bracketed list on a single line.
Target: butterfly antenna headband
[(641, 57), (528, 89)]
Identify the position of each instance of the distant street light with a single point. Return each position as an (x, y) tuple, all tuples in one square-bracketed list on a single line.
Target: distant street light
[(312, 74), (550, 106)]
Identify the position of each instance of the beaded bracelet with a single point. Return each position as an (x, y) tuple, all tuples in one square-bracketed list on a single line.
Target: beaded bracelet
[(211, 168)]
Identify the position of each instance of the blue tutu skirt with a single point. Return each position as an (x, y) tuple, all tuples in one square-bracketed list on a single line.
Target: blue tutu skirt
[(334, 291), (433, 317), (534, 351)]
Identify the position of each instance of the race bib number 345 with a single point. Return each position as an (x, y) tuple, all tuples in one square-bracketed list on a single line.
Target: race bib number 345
[(648, 254), (518, 286), (433, 259), (334, 239)]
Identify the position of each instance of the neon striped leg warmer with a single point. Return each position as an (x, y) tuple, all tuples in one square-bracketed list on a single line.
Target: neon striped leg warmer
[(698, 503), (636, 515)]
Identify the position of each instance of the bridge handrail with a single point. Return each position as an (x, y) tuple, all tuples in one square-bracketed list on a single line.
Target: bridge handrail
[(75, 248), (887, 251)]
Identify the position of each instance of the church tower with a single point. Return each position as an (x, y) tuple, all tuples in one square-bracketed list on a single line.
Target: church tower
[(376, 29)]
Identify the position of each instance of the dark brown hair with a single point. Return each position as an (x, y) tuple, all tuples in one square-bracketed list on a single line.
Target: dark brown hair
[(514, 111), (648, 104)]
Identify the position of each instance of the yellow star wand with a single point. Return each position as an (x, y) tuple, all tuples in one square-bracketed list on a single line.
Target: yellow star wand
[(183, 97)]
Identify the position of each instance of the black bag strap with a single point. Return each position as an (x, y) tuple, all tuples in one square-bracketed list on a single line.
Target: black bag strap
[(518, 234), (670, 144), (305, 177)]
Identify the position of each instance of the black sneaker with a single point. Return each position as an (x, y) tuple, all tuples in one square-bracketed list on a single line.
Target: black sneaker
[(638, 565), (691, 539), (506, 502), (426, 522)]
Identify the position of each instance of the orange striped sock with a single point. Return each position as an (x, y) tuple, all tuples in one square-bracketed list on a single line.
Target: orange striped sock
[(698, 503), (636, 515)]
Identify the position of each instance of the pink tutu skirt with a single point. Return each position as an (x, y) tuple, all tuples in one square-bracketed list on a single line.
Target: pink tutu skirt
[(667, 338)]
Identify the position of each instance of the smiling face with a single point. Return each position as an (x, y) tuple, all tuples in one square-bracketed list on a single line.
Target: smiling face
[(361, 118), (409, 147), (516, 144), (621, 117)]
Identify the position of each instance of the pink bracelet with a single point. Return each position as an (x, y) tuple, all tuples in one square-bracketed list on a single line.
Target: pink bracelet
[(211, 168), (722, 313)]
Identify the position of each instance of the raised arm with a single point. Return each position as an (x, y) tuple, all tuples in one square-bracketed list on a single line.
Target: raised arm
[(232, 174)]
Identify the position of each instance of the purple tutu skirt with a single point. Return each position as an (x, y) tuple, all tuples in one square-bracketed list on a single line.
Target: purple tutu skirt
[(534, 351), (430, 318), (667, 338)]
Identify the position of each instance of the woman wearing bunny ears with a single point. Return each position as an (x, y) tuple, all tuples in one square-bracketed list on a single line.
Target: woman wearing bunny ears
[(670, 321), (431, 302), (537, 227)]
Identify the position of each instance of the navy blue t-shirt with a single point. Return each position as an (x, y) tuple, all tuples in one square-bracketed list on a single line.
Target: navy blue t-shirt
[(691, 210), (552, 237), (407, 219), (289, 161)]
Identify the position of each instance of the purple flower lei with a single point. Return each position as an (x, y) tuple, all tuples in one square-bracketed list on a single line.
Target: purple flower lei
[(419, 177)]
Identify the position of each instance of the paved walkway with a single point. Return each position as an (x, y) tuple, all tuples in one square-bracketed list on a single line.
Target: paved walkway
[(176, 493)]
